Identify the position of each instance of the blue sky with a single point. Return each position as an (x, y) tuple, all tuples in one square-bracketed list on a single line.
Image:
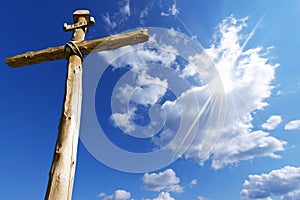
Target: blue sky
[(252, 45)]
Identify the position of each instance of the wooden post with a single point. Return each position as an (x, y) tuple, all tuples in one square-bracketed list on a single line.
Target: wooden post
[(61, 176)]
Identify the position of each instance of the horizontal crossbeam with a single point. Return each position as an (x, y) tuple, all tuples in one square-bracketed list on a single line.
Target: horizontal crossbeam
[(86, 47)]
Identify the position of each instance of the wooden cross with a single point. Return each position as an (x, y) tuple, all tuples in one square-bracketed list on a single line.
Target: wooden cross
[(61, 175)]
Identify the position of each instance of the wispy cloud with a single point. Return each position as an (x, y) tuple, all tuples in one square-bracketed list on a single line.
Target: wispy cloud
[(115, 21), (109, 22), (293, 125), (162, 181), (193, 182), (252, 32), (202, 198), (117, 195), (283, 183), (112, 21), (272, 122), (143, 15), (172, 10), (284, 92), (125, 8)]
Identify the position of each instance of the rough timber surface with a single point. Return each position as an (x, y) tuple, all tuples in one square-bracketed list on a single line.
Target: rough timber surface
[(86, 47)]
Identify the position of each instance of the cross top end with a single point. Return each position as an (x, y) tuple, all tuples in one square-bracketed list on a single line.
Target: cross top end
[(87, 21), (81, 13)]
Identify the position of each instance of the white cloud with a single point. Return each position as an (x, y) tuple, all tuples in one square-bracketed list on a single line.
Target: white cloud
[(163, 181), (247, 77), (123, 121), (165, 55), (293, 125), (110, 24), (116, 19), (173, 10), (145, 12), (283, 183), (189, 70), (164, 196), (164, 14), (284, 92), (167, 8), (124, 93), (244, 145), (150, 89), (145, 90), (193, 182), (185, 110), (142, 87), (125, 8), (117, 195), (272, 122), (202, 198), (101, 195)]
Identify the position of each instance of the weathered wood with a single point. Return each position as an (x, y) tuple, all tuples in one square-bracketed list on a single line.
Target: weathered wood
[(86, 47), (71, 27), (61, 176)]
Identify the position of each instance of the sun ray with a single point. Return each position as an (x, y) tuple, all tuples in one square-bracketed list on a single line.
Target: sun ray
[(253, 32)]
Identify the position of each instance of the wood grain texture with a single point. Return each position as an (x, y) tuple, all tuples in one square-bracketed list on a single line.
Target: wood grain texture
[(62, 172), (86, 47)]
